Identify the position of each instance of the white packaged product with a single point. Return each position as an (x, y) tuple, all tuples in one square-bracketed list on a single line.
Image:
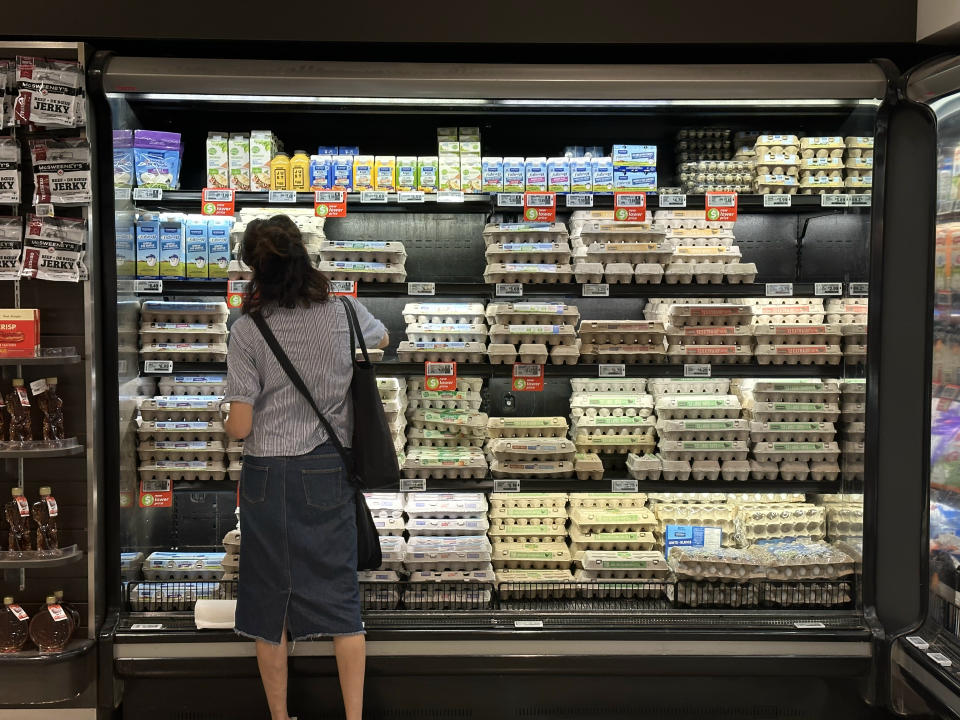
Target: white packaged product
[(531, 313), (49, 93), (9, 171), (182, 566), (524, 232), (460, 313), (53, 248), (446, 332), (779, 520), (446, 526), (361, 251), (363, 271), (529, 252), (193, 385), (527, 273), (445, 505), (181, 407), (441, 351), (180, 431), (645, 467), (469, 552), (189, 450)]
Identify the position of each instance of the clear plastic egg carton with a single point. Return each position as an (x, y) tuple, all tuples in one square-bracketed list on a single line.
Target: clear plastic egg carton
[(533, 232), (694, 450), (668, 219), (703, 430), (384, 504), (516, 469), (767, 521), (394, 409), (447, 526), (540, 334), (852, 547), (719, 515), (554, 253), (186, 470), (551, 502), (533, 449), (530, 556), (180, 407), (463, 352), (700, 188), (180, 431), (612, 425), (447, 313), (615, 444), (691, 386), (534, 273), (443, 400), (581, 541), (443, 332), (527, 427), (725, 563), (465, 552), (164, 311), (689, 406), (709, 314), (565, 354), (185, 352), (445, 505), (844, 520), (611, 404), (384, 272), (792, 432), (821, 167), (821, 186), (588, 466), (793, 412), (175, 333), (719, 593), (608, 385), (164, 597), (646, 467), (183, 566), (687, 498), (193, 385), (771, 497), (363, 251), (624, 354), (535, 584), (389, 526), (620, 233), (392, 549), (622, 565), (799, 354), (711, 354), (607, 501), (180, 450), (808, 560), (717, 166), (781, 452), (794, 313), (647, 273), (531, 313), (535, 532), (799, 390), (613, 519)]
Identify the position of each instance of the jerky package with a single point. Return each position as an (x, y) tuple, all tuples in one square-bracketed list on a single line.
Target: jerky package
[(9, 171), (48, 92), (11, 247), (53, 247), (61, 171)]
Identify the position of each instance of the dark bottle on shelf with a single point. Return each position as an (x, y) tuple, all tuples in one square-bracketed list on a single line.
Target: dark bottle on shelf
[(52, 408), (18, 405), (71, 610), (4, 418), (17, 512), (14, 627), (52, 627), (45, 512)]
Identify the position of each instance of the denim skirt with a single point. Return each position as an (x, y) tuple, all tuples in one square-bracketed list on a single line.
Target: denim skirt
[(298, 558)]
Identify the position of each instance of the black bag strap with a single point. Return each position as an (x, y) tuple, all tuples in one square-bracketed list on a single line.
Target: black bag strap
[(355, 335)]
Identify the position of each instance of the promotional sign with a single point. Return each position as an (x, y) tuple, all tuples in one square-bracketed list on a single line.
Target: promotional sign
[(527, 377), (440, 375), (217, 202), (721, 206), (630, 206), (540, 206), (156, 493), (330, 203)]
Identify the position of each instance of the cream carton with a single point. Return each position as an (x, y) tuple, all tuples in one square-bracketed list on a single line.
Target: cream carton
[(514, 174), (218, 160), (449, 172), (321, 172), (262, 149), (428, 173), (385, 169), (635, 155), (363, 173), (239, 150), (471, 173), (558, 174), (172, 251), (196, 244), (342, 173), (148, 249), (581, 175), (602, 174), (491, 174), (406, 173), (218, 247), (536, 174)]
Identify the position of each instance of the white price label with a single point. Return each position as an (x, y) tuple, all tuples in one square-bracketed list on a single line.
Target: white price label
[(44, 209), (373, 196), (509, 290), (834, 200), (282, 196), (146, 626), (158, 486), (421, 288), (142, 193), (624, 485), (411, 196), (438, 369), (579, 200), (122, 194), (347, 287), (632, 199), (864, 200), (528, 624), (613, 370), (771, 200), (596, 290), (217, 195), (413, 485), (859, 288), (329, 196), (779, 290), (918, 642), (809, 625), (828, 288), (940, 659), (506, 486), (527, 370), (541, 199), (509, 199), (238, 286), (450, 196), (697, 370), (38, 386), (157, 367), (672, 201), (148, 286)]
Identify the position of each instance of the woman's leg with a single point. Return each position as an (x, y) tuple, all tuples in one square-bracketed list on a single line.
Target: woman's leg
[(351, 653), (272, 660)]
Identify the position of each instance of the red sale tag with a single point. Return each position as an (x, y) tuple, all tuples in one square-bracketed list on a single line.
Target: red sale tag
[(217, 202), (721, 206), (343, 287), (236, 292), (440, 375), (630, 206), (540, 206), (156, 493), (330, 203), (527, 377)]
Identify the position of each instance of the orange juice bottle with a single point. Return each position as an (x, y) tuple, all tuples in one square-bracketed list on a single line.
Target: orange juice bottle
[(300, 171), (280, 172)]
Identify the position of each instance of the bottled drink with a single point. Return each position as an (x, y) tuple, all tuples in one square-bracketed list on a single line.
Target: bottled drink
[(14, 626), (52, 627), (52, 408), (71, 610), (18, 405), (45, 513), (17, 512)]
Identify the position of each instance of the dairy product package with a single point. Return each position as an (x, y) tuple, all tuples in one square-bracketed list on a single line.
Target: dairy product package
[(635, 155), (558, 174), (491, 174), (172, 250), (61, 171), (471, 173), (341, 177), (448, 147), (406, 173), (428, 173), (263, 147), (157, 156), (125, 240), (148, 249), (11, 247), (218, 247), (321, 172), (53, 248), (581, 175), (514, 174), (196, 247), (602, 168), (218, 160), (49, 93), (535, 174), (634, 178), (385, 173), (122, 159), (364, 177), (449, 171), (238, 151)]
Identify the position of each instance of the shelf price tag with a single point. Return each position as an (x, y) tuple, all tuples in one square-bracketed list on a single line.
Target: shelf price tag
[(698, 370), (607, 370), (157, 367), (630, 206), (527, 377), (509, 290), (779, 290), (940, 659), (146, 626), (44, 209), (596, 290), (440, 375), (540, 206), (331, 203), (506, 486), (217, 202), (809, 625), (834, 200), (143, 193), (918, 642), (413, 485), (828, 289), (528, 624), (509, 199), (579, 200), (148, 286), (771, 200), (624, 485), (862, 200), (411, 196), (282, 196), (720, 206), (156, 493), (344, 287), (122, 194), (421, 288), (450, 196), (373, 196), (236, 291), (859, 288), (671, 200)]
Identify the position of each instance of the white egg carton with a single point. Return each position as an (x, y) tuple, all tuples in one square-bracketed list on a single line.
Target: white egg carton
[(710, 354), (447, 313), (725, 563), (526, 534), (692, 386), (796, 451), (451, 467), (541, 334), (554, 503), (588, 466), (531, 313), (645, 467), (530, 556), (624, 354), (793, 411), (193, 385), (183, 312), (581, 541), (619, 519), (463, 352), (363, 250), (446, 332), (383, 504), (588, 272), (445, 505), (779, 520), (447, 526), (464, 384), (175, 333), (631, 253), (715, 515), (183, 450), (185, 352), (180, 431), (688, 406), (622, 564), (704, 430), (516, 469), (443, 400), (607, 500), (780, 432), (188, 470), (612, 425), (534, 232), (519, 584), (799, 390), (522, 427), (363, 271), (615, 444), (605, 385), (611, 404), (691, 237), (647, 273), (389, 526), (606, 232), (621, 332), (502, 353), (709, 314), (465, 421), (180, 407), (688, 497), (686, 219), (710, 254), (808, 560), (557, 253), (533, 449), (565, 354), (432, 553), (393, 408), (534, 273), (183, 566), (693, 450)]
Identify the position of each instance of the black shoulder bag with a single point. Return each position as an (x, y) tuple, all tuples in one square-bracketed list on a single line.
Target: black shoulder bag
[(369, 556)]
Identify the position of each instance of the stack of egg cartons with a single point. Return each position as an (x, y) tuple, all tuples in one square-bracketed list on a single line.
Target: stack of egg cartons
[(719, 577), (807, 572), (704, 330), (181, 438), (623, 341), (527, 253), (447, 433), (709, 143), (791, 331), (393, 395), (778, 163), (176, 580), (444, 332), (611, 417), (189, 331), (851, 315), (703, 176), (821, 165), (532, 452), (605, 250), (792, 430), (703, 249), (310, 226), (378, 589), (853, 415), (529, 534), (531, 332), (858, 165), (363, 260), (447, 548), (771, 523)]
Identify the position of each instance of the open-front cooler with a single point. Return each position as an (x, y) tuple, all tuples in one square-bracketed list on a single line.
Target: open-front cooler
[(647, 291)]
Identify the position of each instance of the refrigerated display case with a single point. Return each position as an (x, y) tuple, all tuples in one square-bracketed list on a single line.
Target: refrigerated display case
[(686, 343)]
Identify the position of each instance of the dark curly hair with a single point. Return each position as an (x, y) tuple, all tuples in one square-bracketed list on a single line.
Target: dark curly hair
[(282, 271)]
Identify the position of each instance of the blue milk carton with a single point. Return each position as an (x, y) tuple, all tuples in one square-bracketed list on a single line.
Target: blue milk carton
[(514, 175), (321, 172), (126, 242), (148, 249), (602, 174), (558, 174), (172, 249), (492, 174), (218, 247), (581, 175), (197, 250), (343, 173)]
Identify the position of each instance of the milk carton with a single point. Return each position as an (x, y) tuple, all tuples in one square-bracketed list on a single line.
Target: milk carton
[(125, 236), (329, 150), (428, 173), (635, 155), (218, 246), (218, 160), (363, 173), (469, 147), (347, 150), (321, 172), (449, 172), (148, 249), (581, 175), (471, 173), (446, 133), (197, 250), (491, 174), (239, 149), (342, 174), (448, 147), (385, 169), (262, 149), (406, 173), (602, 174), (172, 249), (635, 178), (558, 174), (514, 174), (536, 174)]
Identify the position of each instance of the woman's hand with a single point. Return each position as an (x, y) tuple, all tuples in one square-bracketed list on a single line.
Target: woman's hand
[(239, 422), (383, 343)]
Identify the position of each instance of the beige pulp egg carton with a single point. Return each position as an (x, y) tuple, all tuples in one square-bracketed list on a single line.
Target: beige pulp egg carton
[(581, 541), (787, 310), (444, 332), (530, 556), (725, 563), (853, 450), (385, 272), (709, 314), (646, 467), (779, 432), (533, 353), (532, 449), (854, 431), (607, 501), (710, 273), (185, 352), (534, 334), (777, 164), (859, 146), (235, 450), (535, 273), (614, 444), (565, 354), (734, 470), (822, 146), (447, 313), (693, 450), (679, 273), (548, 510), (780, 452), (798, 390), (822, 186), (464, 421), (183, 312), (683, 470), (647, 273), (588, 466), (704, 430), (394, 408), (188, 470), (687, 406), (502, 353), (618, 273), (451, 467), (375, 356), (620, 519), (384, 504), (624, 252), (854, 390), (181, 407), (854, 334), (848, 310), (443, 400), (192, 385), (519, 584), (718, 515), (164, 332), (205, 450), (557, 253), (692, 219), (445, 505), (799, 354), (711, 354), (608, 385), (611, 404), (628, 332), (627, 354), (845, 520), (463, 352), (363, 251), (799, 334), (862, 184), (853, 411), (579, 218), (239, 270), (821, 167), (808, 560), (693, 237), (776, 145), (525, 232), (389, 526), (622, 564), (550, 502), (446, 526), (615, 233), (531, 313), (180, 430), (464, 384), (687, 386), (699, 254), (522, 427), (777, 185), (532, 533), (519, 469), (613, 425), (790, 471)]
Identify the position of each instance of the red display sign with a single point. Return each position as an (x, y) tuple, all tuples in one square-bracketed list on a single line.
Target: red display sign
[(330, 203), (630, 206), (540, 206), (218, 202), (236, 292), (156, 493), (440, 375), (721, 206), (527, 377), (343, 287)]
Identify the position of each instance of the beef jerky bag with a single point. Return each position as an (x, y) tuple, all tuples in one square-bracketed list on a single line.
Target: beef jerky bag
[(52, 248), (11, 247), (48, 92), (9, 171), (61, 171)]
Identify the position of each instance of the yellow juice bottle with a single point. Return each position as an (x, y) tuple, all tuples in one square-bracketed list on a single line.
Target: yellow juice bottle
[(280, 172), (300, 171)]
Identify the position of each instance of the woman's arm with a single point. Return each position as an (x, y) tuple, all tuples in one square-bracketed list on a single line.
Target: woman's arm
[(374, 332), (239, 422), (243, 382)]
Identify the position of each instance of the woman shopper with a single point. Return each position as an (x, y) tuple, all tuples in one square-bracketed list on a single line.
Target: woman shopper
[(298, 567)]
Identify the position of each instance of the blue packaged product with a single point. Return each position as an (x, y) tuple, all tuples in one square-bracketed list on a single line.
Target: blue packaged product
[(148, 249), (691, 536), (218, 247), (197, 250), (634, 178), (347, 150), (602, 168), (558, 174), (172, 250), (123, 160), (328, 150), (581, 175), (491, 173), (536, 174), (343, 172), (514, 174), (321, 172), (125, 235), (635, 155), (157, 157)]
